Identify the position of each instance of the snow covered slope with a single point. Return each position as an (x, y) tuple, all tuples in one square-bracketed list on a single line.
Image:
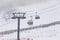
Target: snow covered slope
[(49, 12)]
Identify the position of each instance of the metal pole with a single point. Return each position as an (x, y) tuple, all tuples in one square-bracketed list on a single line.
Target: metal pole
[(18, 31)]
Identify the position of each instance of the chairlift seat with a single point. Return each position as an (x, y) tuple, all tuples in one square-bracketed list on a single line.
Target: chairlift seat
[(37, 17), (30, 22)]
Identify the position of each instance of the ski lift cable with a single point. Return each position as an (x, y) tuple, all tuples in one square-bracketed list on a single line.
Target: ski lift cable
[(48, 10), (44, 8), (30, 11), (11, 21)]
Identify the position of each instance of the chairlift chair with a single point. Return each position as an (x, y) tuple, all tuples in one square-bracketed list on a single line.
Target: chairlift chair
[(37, 16), (30, 22)]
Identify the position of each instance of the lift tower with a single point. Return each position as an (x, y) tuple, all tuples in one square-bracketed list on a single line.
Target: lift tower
[(18, 16)]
